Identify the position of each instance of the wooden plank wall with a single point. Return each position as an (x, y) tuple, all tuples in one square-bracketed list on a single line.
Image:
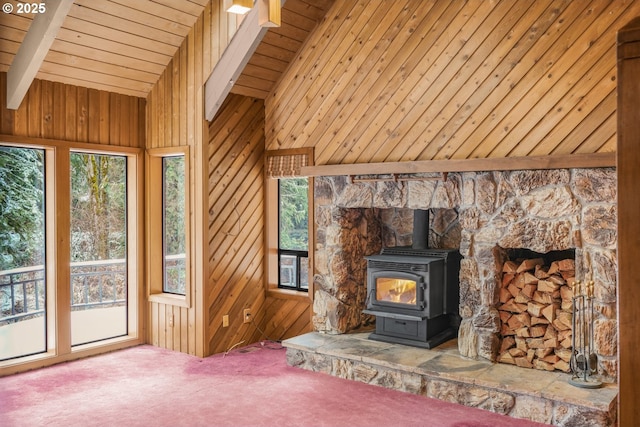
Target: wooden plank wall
[(236, 223), (73, 113), (426, 79), (236, 234), (175, 118)]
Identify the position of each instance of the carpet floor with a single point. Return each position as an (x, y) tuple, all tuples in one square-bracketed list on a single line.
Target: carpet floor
[(250, 386)]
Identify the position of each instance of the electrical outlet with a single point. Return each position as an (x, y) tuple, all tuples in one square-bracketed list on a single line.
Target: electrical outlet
[(246, 317), (225, 321), (171, 321)]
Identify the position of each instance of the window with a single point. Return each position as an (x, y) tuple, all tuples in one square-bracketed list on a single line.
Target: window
[(98, 247), (289, 223), (293, 231), (173, 225), (69, 253), (168, 225), (23, 291)]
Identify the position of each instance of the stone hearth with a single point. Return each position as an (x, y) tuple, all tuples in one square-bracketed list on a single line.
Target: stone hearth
[(443, 374), (482, 214)]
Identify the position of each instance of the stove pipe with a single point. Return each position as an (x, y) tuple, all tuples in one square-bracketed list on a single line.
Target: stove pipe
[(420, 229)]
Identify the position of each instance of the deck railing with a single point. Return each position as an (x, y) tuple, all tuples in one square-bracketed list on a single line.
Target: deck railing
[(22, 293), (93, 283)]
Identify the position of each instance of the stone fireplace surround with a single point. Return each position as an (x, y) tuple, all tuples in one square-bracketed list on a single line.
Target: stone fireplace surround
[(483, 214)]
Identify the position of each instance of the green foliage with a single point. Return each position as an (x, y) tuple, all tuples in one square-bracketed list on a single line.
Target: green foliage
[(294, 214), (21, 207), (173, 205), (98, 207)]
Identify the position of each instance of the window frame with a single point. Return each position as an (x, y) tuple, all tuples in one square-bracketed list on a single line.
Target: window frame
[(297, 253), (272, 228), (57, 252), (154, 214)]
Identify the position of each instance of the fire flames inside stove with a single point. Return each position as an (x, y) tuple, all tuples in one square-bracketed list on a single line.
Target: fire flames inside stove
[(400, 291)]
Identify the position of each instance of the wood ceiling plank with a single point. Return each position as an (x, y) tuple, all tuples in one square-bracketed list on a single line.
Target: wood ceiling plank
[(81, 51), (13, 21), (113, 47), (33, 49), (255, 83), (249, 91), (157, 9), (91, 85), (107, 79), (137, 15), (310, 11), (281, 41), (297, 20), (106, 33), (189, 7), (261, 72), (9, 47), (5, 61), (277, 52), (80, 63), (267, 62), (125, 25), (291, 32), (322, 5), (202, 3), (12, 35)]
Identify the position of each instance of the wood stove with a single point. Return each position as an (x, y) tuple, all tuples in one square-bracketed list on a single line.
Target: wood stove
[(414, 291)]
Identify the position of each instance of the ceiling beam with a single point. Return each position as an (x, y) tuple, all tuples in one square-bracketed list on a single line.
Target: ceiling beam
[(34, 49), (234, 58)]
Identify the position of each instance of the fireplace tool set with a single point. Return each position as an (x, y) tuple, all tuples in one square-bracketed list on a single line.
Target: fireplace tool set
[(584, 362)]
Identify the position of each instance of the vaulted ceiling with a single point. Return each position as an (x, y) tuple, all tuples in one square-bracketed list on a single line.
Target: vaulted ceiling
[(123, 46)]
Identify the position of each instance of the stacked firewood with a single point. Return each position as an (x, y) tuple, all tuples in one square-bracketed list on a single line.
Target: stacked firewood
[(536, 313)]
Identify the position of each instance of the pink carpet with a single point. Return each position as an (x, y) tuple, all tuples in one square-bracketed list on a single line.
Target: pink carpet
[(251, 386)]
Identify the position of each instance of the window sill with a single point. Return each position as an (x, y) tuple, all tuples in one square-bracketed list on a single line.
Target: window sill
[(170, 299), (289, 294)]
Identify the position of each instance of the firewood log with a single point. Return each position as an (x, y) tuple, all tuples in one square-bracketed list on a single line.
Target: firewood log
[(509, 267), (547, 286), (541, 272), (566, 265), (542, 297), (537, 331), (564, 354), (562, 366), (506, 357), (523, 362), (535, 309), (542, 365), (529, 264), (539, 321), (507, 343)]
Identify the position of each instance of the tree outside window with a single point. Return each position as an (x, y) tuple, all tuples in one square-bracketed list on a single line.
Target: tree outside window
[(294, 233)]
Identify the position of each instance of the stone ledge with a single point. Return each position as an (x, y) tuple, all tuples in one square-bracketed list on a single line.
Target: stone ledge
[(441, 373)]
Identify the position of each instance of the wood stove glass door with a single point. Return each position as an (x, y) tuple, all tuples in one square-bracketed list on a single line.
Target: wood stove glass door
[(395, 288)]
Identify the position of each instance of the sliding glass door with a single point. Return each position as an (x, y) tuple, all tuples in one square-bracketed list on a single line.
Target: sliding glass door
[(23, 314), (98, 247)]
